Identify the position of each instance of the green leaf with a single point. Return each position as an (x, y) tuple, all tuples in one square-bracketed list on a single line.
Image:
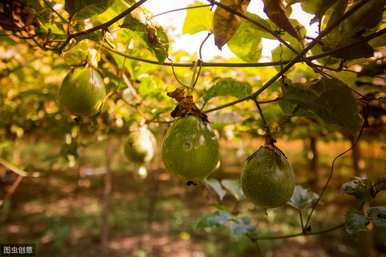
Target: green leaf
[(134, 24), (83, 9), (213, 220), (377, 215), (246, 42), (360, 22), (242, 226), (336, 105), (298, 99), (360, 188), (302, 198), (282, 53), (329, 99), (216, 186), (317, 7), (228, 87), (226, 23), (352, 29), (356, 222), (154, 37), (150, 87), (360, 50), (233, 187), (198, 19)]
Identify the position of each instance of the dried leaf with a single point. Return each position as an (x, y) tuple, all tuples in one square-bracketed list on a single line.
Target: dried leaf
[(276, 13), (186, 105), (226, 23)]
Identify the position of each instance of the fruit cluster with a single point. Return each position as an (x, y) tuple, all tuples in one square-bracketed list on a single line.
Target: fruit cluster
[(190, 148)]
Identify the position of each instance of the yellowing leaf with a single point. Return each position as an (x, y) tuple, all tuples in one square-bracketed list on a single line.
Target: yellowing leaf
[(225, 23), (276, 14), (197, 19), (246, 42)]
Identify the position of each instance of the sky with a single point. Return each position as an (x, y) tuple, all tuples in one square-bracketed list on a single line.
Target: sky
[(191, 43)]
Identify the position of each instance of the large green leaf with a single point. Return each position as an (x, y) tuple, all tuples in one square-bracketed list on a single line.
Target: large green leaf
[(228, 87), (336, 105), (329, 99), (197, 19), (352, 29), (83, 9), (246, 42)]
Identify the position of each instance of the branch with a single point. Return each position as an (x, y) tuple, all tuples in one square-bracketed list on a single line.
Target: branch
[(190, 65), (13, 168), (11, 190), (365, 39), (339, 226), (56, 12), (103, 25), (332, 173)]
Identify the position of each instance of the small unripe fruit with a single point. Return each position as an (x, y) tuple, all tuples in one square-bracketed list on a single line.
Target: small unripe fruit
[(140, 146), (82, 92)]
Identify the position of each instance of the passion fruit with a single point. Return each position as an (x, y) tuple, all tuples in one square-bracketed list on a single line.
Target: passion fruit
[(190, 148), (268, 179), (140, 146), (82, 92)]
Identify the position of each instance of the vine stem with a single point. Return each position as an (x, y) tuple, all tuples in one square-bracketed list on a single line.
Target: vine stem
[(331, 174), (181, 9), (199, 62), (55, 11), (301, 220), (339, 226), (268, 137), (11, 190), (249, 64)]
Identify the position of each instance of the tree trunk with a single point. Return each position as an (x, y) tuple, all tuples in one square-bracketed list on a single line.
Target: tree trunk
[(313, 162), (355, 154), (106, 198)]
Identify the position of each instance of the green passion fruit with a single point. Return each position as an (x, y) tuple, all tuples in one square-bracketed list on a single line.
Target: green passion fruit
[(268, 179), (82, 92), (140, 146), (190, 148)]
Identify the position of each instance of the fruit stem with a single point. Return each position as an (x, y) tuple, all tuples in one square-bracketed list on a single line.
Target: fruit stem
[(269, 140)]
